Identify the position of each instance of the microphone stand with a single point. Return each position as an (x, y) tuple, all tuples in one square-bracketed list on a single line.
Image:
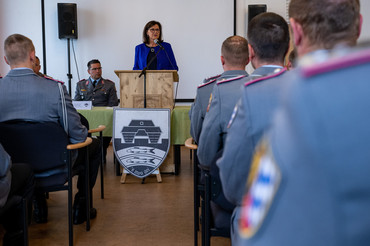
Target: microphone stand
[(143, 72), (173, 67), (69, 75)]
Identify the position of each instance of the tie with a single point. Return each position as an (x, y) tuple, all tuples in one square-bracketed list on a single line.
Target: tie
[(94, 83)]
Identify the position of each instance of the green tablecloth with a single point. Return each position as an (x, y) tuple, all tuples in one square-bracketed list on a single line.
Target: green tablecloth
[(180, 123), (100, 116)]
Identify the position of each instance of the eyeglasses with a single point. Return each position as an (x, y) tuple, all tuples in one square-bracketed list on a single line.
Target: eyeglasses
[(97, 68), (154, 30)]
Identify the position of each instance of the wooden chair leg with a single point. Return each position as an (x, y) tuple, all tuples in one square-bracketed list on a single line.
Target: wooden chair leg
[(89, 202), (196, 200), (123, 177), (70, 216), (101, 167), (207, 198), (25, 221), (158, 174)]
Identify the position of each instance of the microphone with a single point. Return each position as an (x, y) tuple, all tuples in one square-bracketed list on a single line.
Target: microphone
[(158, 43)]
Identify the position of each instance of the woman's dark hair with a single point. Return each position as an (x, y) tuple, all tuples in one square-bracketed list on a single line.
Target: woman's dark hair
[(147, 27)]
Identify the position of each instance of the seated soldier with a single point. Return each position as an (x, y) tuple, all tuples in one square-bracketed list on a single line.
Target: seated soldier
[(226, 91), (15, 180), (199, 107), (315, 152), (27, 96), (268, 35), (100, 91), (315, 161)]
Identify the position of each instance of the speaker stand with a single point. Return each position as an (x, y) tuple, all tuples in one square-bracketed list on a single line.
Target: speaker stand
[(69, 75)]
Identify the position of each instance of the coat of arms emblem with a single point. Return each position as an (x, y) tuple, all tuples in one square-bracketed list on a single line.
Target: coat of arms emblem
[(141, 139)]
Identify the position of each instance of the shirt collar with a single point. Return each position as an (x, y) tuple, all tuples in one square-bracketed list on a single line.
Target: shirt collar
[(91, 80)]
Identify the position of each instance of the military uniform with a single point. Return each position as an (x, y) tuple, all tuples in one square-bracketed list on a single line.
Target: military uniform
[(16, 179), (26, 96), (224, 96), (314, 163), (199, 107), (251, 117), (5, 175), (103, 94)]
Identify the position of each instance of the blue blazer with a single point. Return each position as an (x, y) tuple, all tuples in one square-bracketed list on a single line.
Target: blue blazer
[(164, 58)]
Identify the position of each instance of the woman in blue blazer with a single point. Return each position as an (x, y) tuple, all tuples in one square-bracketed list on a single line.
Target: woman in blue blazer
[(153, 44)]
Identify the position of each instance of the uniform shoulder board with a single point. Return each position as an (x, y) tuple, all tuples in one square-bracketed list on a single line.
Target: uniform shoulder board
[(350, 60), (265, 77), (231, 79), (206, 80), (52, 79), (209, 82)]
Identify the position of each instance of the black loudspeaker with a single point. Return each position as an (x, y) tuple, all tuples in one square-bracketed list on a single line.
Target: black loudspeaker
[(256, 9), (67, 20)]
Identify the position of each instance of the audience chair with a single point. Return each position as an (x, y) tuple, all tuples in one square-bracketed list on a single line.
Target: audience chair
[(45, 146), (100, 129), (212, 187), (206, 189), (197, 187), (12, 202)]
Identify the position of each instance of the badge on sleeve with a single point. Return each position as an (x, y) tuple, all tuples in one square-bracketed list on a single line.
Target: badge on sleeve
[(233, 115), (209, 102), (263, 182)]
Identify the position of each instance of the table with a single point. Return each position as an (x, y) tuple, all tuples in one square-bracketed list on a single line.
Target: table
[(180, 131), (180, 126), (100, 116)]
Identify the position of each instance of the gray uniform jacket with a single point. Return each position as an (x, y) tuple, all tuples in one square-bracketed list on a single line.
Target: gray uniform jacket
[(103, 94), (26, 96), (199, 107), (225, 94), (253, 115), (5, 176), (319, 147)]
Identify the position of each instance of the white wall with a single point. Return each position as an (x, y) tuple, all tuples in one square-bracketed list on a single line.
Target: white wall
[(365, 11), (110, 29), (281, 7)]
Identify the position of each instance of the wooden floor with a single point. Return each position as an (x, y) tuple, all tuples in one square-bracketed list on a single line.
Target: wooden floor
[(131, 214)]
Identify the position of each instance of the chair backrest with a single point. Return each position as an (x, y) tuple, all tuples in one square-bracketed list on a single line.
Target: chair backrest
[(41, 144)]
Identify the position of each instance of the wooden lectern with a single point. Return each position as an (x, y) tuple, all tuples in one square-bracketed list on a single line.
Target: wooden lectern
[(159, 94), (159, 88)]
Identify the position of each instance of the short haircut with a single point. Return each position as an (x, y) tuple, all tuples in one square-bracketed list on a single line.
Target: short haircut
[(235, 51), (93, 61), (268, 34), (147, 27), (327, 23), (17, 48)]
